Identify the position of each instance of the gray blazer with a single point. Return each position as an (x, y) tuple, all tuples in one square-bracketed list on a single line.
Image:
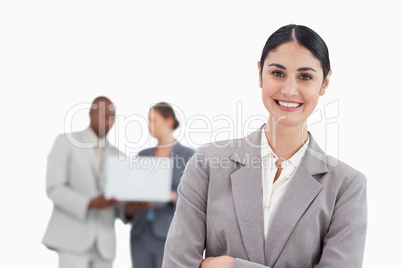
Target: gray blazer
[(72, 180), (320, 222), (163, 214)]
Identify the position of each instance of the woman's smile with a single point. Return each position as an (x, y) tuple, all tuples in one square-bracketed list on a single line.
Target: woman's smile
[(288, 106)]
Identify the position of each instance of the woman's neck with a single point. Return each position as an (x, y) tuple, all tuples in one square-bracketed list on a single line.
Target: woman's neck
[(166, 141), (285, 140)]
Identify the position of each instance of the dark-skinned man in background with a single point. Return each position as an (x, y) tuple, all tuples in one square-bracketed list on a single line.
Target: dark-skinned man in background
[(81, 227)]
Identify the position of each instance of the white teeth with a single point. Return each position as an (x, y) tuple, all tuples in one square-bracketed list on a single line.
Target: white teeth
[(289, 104)]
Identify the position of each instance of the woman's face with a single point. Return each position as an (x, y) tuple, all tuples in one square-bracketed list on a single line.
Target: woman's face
[(291, 83), (158, 126)]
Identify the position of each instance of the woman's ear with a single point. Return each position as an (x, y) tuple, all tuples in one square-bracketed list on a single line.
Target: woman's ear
[(325, 84), (259, 74)]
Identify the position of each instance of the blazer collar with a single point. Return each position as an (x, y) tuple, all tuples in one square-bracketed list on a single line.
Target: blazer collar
[(247, 196), (248, 149), (176, 149), (88, 136), (315, 160)]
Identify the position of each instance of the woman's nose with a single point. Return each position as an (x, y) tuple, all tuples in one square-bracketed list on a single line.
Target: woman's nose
[(290, 88)]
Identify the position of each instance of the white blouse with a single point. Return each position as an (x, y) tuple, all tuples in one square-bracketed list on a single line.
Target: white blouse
[(273, 192)]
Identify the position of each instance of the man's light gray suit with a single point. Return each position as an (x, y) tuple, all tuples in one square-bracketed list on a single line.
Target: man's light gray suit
[(320, 222), (72, 180)]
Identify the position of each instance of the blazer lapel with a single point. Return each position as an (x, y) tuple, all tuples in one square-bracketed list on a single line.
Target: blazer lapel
[(91, 154), (303, 188), (247, 196), (90, 151), (176, 149)]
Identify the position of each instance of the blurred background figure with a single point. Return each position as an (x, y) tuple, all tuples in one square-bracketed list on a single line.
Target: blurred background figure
[(150, 225), (81, 227)]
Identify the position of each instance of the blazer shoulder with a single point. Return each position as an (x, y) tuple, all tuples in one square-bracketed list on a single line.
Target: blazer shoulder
[(342, 176), (185, 151), (147, 152), (341, 168), (63, 145), (65, 139), (223, 148), (78, 138)]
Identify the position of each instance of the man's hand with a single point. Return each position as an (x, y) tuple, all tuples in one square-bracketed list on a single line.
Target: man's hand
[(100, 202), (135, 207), (218, 262)]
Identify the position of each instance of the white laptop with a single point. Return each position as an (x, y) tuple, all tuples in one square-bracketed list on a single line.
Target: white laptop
[(139, 178)]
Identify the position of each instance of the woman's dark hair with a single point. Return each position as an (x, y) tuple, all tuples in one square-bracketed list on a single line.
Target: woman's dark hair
[(305, 37), (167, 112)]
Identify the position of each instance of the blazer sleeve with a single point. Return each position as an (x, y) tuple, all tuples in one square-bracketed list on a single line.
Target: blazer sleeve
[(344, 243), (63, 196), (185, 242), (239, 263)]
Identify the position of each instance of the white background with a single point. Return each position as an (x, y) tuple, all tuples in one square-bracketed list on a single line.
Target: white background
[(202, 57)]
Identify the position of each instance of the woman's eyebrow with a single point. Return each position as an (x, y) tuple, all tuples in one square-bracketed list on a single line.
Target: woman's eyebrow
[(302, 69), (278, 66)]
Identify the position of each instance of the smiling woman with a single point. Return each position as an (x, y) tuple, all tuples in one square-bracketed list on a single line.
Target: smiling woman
[(282, 202), (291, 85)]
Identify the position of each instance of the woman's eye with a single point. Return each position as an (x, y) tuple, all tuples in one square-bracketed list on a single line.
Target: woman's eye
[(305, 77), (278, 74)]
